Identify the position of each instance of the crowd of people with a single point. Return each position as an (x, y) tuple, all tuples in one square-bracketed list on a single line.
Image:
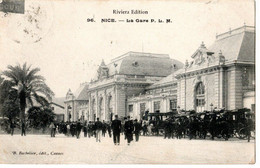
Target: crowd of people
[(99, 129), (201, 125), (220, 125), (174, 127)]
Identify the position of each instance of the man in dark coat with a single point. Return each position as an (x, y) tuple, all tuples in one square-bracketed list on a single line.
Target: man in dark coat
[(109, 129), (73, 129), (12, 126), (116, 128), (85, 129), (98, 127), (78, 129), (23, 129), (104, 129), (129, 128), (137, 129), (144, 129)]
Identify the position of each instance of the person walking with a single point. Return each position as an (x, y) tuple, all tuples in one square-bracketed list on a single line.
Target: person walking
[(116, 128), (137, 129), (78, 129), (129, 128), (12, 126), (68, 129), (98, 127), (52, 127), (109, 129), (85, 129), (23, 129), (144, 128), (104, 129)]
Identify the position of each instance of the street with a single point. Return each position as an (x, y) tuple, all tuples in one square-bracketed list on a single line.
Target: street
[(152, 150)]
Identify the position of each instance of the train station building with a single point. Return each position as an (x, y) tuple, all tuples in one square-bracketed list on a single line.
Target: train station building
[(219, 76)]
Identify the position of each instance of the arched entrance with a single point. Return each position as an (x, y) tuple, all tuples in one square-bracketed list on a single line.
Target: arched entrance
[(200, 97), (69, 113), (93, 109), (101, 109), (110, 108)]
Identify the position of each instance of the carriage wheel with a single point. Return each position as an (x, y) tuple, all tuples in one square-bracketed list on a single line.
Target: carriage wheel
[(242, 133), (225, 136), (161, 132), (252, 134), (236, 133)]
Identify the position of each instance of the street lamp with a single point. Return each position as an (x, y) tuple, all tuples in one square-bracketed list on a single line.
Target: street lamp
[(69, 112), (178, 109), (211, 106)]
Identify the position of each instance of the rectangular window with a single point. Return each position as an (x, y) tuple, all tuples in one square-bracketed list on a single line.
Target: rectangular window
[(253, 107), (130, 108), (142, 110), (142, 107), (156, 106)]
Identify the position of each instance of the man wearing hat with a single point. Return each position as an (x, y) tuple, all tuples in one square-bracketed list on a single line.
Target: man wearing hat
[(116, 128), (129, 128), (137, 129), (98, 127)]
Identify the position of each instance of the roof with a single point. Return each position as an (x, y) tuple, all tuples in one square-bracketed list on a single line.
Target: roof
[(81, 92), (147, 64), (58, 101), (163, 81), (238, 44)]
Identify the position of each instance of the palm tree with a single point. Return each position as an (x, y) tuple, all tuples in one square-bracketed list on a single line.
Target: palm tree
[(30, 86)]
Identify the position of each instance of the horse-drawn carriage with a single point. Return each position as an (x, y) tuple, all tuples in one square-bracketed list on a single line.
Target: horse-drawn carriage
[(241, 122), (217, 123), (229, 123), (157, 121)]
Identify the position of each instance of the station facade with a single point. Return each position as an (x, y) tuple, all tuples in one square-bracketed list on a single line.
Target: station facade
[(219, 76)]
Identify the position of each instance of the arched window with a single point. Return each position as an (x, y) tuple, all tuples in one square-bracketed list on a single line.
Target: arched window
[(101, 109), (109, 112), (200, 89), (200, 97), (94, 109)]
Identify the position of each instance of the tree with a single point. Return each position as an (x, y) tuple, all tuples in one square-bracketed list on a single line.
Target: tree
[(9, 105), (40, 117), (30, 86)]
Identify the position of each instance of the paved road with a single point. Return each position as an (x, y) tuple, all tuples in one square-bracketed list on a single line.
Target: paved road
[(153, 150)]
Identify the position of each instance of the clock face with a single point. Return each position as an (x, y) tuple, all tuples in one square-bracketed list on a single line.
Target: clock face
[(30, 27)]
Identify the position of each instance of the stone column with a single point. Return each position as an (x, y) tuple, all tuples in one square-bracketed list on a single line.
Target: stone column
[(97, 102)]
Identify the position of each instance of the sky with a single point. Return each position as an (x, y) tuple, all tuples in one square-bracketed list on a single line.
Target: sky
[(56, 37)]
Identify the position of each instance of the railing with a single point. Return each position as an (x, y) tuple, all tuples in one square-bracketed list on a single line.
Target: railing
[(236, 31)]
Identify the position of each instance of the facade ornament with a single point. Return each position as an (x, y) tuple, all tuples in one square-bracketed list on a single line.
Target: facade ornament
[(202, 45), (135, 64), (221, 58), (102, 70), (186, 64), (245, 25)]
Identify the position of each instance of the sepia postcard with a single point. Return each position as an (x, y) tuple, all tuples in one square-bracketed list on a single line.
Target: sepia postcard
[(127, 82)]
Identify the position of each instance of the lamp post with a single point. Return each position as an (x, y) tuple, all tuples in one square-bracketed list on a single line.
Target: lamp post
[(178, 109), (69, 113), (186, 66), (211, 106)]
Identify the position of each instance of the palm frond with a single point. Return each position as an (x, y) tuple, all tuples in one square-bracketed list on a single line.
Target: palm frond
[(30, 101), (11, 76), (40, 99)]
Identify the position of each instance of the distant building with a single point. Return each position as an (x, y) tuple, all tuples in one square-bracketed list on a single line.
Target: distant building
[(57, 106), (76, 104), (220, 76)]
